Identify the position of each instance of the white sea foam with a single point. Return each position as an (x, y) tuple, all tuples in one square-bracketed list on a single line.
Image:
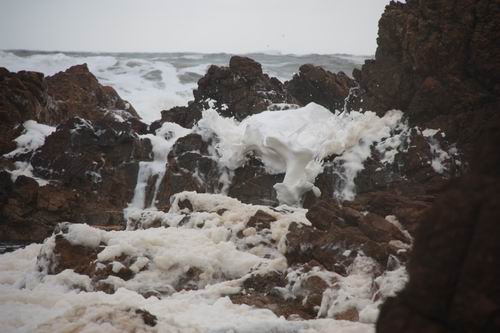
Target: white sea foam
[(441, 159), (296, 141), (32, 138), (32, 301), (161, 142)]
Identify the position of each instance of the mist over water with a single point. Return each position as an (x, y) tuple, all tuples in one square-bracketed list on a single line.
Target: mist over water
[(152, 82)]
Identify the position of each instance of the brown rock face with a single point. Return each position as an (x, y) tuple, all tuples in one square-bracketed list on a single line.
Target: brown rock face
[(238, 91), (76, 92), (261, 220), (55, 99), (241, 89), (338, 234), (455, 288), (92, 158), (315, 84), (89, 149), (251, 184), (439, 62), (189, 168), (23, 96), (184, 116)]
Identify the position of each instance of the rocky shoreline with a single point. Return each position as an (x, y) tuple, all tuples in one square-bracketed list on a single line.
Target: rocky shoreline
[(426, 196)]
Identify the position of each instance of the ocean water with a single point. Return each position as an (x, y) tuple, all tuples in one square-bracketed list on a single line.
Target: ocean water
[(152, 82)]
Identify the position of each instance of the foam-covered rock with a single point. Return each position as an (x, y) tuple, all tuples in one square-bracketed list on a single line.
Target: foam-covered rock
[(456, 287)]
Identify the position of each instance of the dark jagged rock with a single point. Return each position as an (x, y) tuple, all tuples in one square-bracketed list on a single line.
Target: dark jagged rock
[(404, 188), (77, 93), (92, 157), (184, 116), (190, 167), (455, 288), (23, 96), (315, 84), (261, 220), (69, 256), (240, 90), (338, 235), (439, 62), (252, 184), (55, 99), (90, 148), (261, 291), (100, 163)]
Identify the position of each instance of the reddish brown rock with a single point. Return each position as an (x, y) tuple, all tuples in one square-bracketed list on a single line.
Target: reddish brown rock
[(351, 314), (190, 167), (455, 288), (325, 214), (93, 180), (181, 115), (315, 84), (23, 96), (341, 236), (438, 62), (252, 184), (241, 89), (260, 291), (261, 220), (77, 93), (69, 256)]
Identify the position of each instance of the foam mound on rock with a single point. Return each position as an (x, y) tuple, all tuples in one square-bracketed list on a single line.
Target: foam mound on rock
[(296, 141)]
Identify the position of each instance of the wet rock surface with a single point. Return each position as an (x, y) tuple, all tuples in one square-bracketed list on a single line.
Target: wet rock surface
[(456, 287), (315, 84), (77, 93), (23, 96), (91, 159), (439, 67), (241, 89), (338, 235)]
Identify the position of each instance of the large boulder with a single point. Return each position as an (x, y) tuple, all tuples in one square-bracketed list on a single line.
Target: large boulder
[(90, 161), (190, 167), (455, 264), (240, 90), (186, 116), (55, 99), (439, 62), (77, 93), (23, 96), (315, 84)]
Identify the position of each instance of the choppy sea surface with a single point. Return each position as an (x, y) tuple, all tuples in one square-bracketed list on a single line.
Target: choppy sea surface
[(152, 82)]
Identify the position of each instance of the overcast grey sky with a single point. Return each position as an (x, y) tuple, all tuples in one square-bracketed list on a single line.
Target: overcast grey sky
[(232, 26)]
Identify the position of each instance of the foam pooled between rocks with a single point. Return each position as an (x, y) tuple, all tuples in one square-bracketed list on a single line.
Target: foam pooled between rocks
[(162, 258), (296, 141)]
